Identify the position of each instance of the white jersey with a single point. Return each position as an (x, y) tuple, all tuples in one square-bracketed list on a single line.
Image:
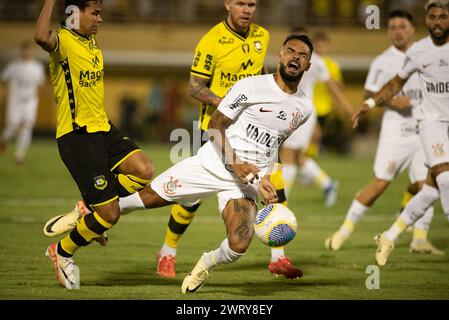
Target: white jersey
[(431, 62), (24, 78), (383, 69), (317, 73), (264, 116)]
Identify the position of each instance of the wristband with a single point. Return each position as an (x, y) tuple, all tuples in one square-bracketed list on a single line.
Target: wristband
[(371, 103)]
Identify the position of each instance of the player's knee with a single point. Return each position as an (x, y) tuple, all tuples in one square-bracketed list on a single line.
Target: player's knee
[(380, 185), (443, 184), (111, 216), (144, 170), (240, 244)]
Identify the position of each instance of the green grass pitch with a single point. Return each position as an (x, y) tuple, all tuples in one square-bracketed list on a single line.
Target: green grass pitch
[(125, 269)]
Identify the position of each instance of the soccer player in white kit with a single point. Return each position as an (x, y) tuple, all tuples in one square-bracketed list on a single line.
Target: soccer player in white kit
[(24, 77), (292, 152), (429, 58), (253, 119), (399, 146)]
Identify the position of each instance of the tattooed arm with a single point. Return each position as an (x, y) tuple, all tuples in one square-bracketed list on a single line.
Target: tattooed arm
[(200, 91), (216, 131), (382, 97)]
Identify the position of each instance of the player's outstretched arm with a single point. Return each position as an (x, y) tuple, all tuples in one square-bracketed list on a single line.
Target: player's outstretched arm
[(200, 91), (43, 35), (339, 97), (380, 98)]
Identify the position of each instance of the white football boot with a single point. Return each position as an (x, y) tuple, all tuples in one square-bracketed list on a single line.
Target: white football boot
[(67, 273), (65, 222), (196, 278)]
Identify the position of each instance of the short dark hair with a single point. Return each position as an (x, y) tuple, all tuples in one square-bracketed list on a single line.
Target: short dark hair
[(300, 37), (400, 14), (436, 3), (81, 4)]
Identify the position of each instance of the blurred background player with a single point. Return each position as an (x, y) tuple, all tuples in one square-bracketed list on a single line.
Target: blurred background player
[(399, 146), (322, 97), (92, 149), (24, 77), (292, 151), (231, 50), (429, 58)]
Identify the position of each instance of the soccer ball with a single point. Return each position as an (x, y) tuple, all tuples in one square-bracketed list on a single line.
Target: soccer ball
[(275, 225)]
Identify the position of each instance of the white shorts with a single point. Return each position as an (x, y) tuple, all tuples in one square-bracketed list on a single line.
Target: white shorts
[(301, 137), (188, 182), (21, 114), (395, 154), (435, 139)]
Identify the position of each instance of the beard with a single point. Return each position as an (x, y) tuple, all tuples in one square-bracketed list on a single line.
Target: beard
[(287, 77), (440, 39)]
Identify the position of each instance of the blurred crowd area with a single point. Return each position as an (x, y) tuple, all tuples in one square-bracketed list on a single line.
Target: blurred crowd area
[(270, 12), (149, 102)]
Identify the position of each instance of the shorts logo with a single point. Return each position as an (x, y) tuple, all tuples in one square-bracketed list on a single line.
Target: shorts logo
[(438, 150), (100, 182), (391, 169), (171, 186)]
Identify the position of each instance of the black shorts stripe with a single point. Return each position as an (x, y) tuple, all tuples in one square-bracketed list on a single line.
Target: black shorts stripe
[(281, 195), (94, 225), (78, 239), (176, 227)]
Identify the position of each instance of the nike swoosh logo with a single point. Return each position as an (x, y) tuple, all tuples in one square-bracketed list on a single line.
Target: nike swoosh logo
[(194, 289), (67, 278), (263, 110), (48, 228)]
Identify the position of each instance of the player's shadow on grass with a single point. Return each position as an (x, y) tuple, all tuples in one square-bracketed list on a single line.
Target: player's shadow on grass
[(270, 287), (139, 276)]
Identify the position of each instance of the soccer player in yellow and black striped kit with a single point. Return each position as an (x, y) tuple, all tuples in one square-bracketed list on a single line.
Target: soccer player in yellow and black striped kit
[(230, 51), (103, 163)]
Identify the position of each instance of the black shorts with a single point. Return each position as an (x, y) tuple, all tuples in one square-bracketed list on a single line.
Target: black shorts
[(92, 158), (322, 120)]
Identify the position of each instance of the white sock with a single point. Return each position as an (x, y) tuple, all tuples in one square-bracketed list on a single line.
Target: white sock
[(222, 255), (312, 170), (289, 175), (354, 215), (415, 209), (443, 185), (23, 141), (424, 222), (167, 251), (130, 203), (277, 253), (356, 211)]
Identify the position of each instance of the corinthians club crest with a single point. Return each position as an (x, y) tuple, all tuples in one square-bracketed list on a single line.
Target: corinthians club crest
[(171, 186), (438, 150)]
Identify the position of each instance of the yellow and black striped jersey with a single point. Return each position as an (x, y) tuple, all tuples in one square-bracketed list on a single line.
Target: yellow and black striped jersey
[(224, 57), (76, 72)]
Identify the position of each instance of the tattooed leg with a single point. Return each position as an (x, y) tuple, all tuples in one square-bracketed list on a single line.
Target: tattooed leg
[(238, 217)]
